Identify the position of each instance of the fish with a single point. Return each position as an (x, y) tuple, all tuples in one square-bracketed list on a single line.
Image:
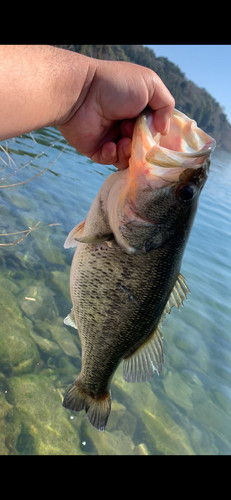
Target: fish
[(125, 274)]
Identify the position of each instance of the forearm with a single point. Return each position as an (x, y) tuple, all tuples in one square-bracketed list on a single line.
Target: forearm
[(40, 86)]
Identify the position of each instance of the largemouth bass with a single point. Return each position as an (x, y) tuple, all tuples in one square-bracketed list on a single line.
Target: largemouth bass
[(125, 275)]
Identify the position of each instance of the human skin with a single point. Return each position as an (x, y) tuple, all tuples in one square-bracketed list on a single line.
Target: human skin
[(94, 103)]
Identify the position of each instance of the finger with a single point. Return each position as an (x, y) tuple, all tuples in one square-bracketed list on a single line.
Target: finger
[(162, 103), (110, 153), (123, 153), (110, 137), (106, 155), (161, 120), (126, 128)]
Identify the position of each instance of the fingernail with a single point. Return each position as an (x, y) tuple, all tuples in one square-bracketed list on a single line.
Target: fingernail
[(167, 128), (127, 150), (109, 153)]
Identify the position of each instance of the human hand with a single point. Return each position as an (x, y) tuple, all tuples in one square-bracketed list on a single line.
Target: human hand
[(102, 121)]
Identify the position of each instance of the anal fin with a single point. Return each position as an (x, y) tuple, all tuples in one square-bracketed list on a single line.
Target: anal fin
[(148, 358)]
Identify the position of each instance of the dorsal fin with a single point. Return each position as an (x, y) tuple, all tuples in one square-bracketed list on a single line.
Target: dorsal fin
[(177, 295)]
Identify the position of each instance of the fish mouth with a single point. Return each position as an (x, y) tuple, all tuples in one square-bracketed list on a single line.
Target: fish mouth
[(185, 146), (184, 143)]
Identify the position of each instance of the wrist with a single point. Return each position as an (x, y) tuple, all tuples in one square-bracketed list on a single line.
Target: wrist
[(78, 80), (40, 86)]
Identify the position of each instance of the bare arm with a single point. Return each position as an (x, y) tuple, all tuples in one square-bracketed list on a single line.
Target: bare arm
[(94, 103), (39, 85)]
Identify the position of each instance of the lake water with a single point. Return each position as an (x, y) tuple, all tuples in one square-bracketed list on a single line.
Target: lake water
[(187, 409)]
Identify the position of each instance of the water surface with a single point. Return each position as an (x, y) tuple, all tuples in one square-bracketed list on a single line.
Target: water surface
[(187, 409)]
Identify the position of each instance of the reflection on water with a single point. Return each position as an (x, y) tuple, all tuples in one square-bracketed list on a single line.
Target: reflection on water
[(187, 409)]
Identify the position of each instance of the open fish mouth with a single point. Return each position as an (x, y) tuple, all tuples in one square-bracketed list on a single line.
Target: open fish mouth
[(185, 143), (185, 146)]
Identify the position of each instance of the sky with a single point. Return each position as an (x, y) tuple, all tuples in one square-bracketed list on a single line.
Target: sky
[(208, 66)]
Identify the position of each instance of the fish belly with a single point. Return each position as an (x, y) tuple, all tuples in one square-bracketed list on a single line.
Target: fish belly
[(118, 300)]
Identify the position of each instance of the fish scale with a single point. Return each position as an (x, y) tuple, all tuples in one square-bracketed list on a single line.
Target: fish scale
[(125, 274)]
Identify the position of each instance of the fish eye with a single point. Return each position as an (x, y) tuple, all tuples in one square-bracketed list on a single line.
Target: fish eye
[(187, 191)]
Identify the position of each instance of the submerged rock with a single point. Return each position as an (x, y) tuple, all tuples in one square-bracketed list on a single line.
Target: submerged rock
[(178, 390), (215, 418), (45, 426), (109, 443), (141, 449), (164, 435), (64, 338), (18, 352), (6, 283), (4, 409), (62, 281), (45, 241), (117, 411), (38, 301), (48, 346), (65, 370)]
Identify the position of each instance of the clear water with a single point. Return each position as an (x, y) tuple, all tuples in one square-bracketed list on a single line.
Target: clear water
[(187, 409)]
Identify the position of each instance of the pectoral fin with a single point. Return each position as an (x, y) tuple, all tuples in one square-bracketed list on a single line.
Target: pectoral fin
[(96, 238), (76, 232), (75, 237)]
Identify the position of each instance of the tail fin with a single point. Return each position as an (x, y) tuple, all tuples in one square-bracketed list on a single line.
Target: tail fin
[(97, 408)]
